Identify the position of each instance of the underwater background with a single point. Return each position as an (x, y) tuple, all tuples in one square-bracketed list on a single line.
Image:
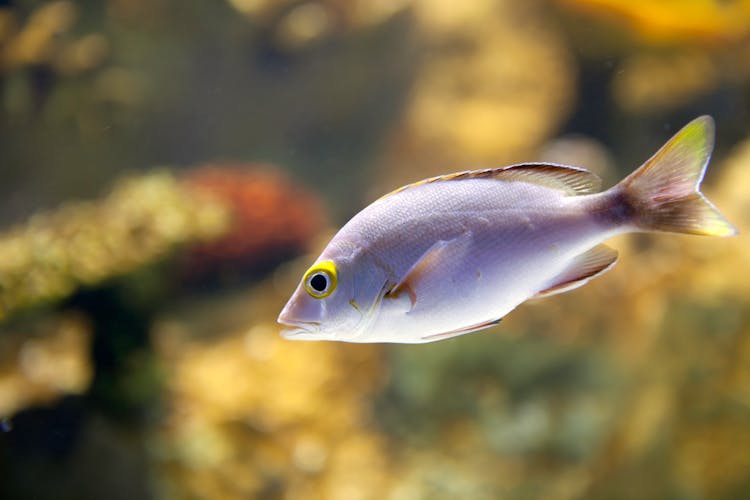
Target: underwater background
[(171, 167)]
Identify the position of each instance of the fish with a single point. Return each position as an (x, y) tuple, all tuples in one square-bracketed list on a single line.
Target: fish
[(454, 254)]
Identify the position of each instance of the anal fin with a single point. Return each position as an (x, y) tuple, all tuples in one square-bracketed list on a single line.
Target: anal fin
[(581, 270), (460, 331)]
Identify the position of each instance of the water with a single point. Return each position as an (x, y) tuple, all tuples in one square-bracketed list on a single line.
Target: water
[(138, 356)]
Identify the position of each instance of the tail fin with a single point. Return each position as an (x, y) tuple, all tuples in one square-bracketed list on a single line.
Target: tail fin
[(665, 192)]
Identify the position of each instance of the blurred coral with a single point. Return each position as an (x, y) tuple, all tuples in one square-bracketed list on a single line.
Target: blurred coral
[(44, 39), (298, 25), (713, 268), (131, 83), (271, 219), (648, 82), (251, 414), (42, 361), (635, 386), (668, 54), (84, 243), (484, 94), (670, 21)]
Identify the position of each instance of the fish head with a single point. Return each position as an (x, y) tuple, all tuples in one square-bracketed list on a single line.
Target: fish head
[(337, 298)]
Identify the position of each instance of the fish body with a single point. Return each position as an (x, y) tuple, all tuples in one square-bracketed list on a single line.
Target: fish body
[(454, 254)]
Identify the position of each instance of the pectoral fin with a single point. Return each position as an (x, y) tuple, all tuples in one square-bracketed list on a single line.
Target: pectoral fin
[(581, 270), (442, 254)]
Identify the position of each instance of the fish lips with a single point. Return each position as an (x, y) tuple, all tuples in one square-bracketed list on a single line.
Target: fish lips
[(299, 330)]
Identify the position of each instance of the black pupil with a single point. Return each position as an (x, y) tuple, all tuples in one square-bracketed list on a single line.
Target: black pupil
[(319, 283)]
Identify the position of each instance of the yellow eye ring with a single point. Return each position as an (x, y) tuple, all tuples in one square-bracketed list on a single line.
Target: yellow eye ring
[(321, 279)]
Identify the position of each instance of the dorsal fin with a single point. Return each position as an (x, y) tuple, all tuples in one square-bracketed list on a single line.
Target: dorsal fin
[(571, 180)]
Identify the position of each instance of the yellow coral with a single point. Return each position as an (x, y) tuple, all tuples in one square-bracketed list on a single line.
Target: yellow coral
[(248, 406), (43, 361), (141, 220), (708, 21), (483, 94)]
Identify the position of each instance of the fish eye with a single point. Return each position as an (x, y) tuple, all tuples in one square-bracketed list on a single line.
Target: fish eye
[(321, 279)]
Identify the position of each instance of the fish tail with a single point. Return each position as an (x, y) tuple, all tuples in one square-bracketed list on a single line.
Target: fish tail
[(664, 193)]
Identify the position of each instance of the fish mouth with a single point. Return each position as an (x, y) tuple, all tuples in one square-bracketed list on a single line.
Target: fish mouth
[(297, 329)]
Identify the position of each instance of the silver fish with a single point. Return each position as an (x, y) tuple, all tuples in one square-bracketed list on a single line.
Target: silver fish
[(454, 254)]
